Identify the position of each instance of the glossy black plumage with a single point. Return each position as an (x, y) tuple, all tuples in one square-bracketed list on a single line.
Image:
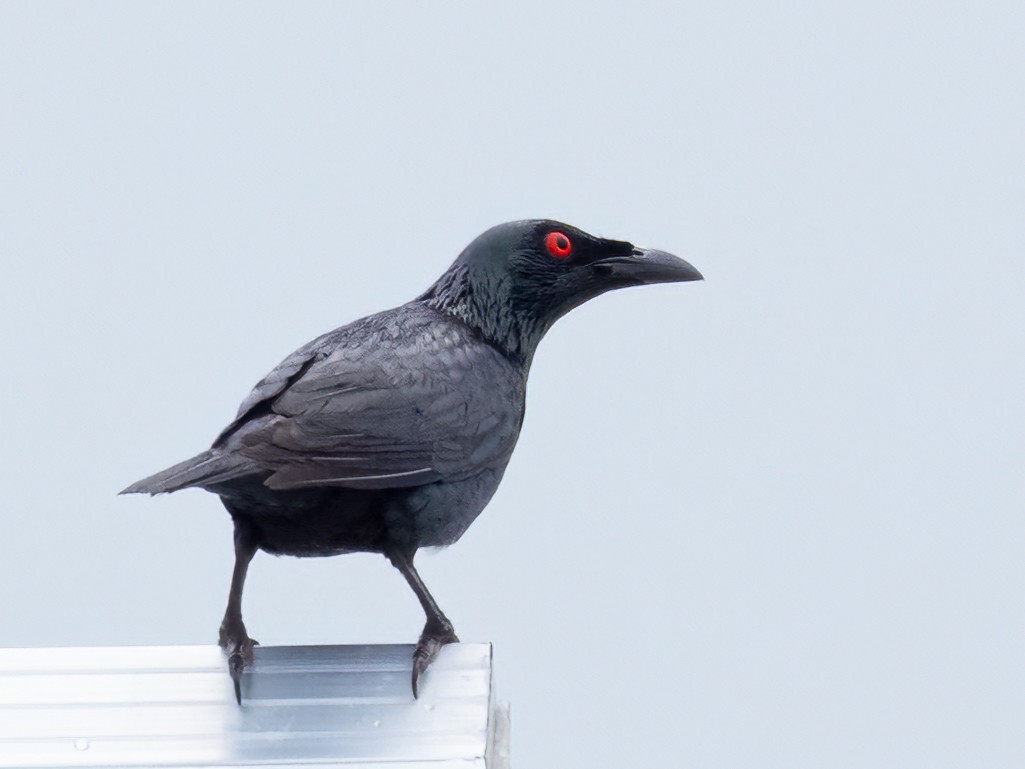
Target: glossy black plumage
[(392, 433)]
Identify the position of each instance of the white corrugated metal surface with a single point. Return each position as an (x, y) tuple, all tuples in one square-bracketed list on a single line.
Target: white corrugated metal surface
[(345, 706)]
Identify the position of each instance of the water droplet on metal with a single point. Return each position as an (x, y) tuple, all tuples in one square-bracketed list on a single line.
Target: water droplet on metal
[(81, 744), (377, 723)]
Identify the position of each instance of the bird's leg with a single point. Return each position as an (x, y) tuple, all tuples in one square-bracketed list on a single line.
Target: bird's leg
[(437, 632), (233, 636)]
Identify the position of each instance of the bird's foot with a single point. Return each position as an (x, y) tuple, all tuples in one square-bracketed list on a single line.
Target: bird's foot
[(239, 647), (435, 635)]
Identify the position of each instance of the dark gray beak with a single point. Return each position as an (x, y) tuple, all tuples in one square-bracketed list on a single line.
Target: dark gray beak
[(647, 266)]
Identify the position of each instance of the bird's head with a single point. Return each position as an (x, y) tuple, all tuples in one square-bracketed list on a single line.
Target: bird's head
[(515, 280)]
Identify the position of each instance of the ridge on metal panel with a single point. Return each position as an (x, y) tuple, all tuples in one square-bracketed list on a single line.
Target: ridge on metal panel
[(174, 706)]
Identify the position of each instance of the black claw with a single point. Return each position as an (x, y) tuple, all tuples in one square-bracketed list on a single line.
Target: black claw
[(236, 662), (421, 660), (239, 648), (427, 649)]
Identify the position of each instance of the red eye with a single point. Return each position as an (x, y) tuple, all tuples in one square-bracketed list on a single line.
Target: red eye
[(558, 245)]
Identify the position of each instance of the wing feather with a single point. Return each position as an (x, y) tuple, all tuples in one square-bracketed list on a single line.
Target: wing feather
[(427, 401)]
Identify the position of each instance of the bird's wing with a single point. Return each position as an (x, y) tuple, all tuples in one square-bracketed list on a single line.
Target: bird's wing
[(405, 406)]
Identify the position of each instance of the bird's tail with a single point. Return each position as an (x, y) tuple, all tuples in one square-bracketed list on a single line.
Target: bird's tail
[(202, 470)]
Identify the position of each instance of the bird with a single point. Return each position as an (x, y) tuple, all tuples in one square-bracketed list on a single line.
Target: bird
[(392, 433)]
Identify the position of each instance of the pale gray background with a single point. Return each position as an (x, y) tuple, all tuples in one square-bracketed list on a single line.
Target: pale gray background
[(771, 520)]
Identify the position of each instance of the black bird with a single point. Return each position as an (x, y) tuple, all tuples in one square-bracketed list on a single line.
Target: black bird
[(392, 433)]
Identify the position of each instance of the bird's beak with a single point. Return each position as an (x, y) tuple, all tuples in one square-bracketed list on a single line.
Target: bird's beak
[(647, 266)]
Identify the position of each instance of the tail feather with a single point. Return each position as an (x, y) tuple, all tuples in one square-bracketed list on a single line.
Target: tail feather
[(203, 469)]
